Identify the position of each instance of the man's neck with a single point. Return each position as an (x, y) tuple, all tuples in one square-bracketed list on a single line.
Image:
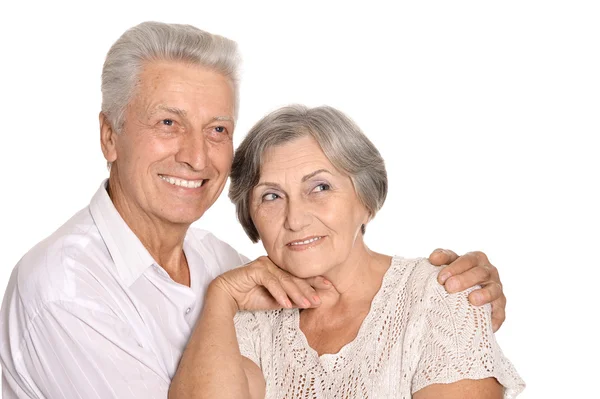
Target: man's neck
[(162, 239)]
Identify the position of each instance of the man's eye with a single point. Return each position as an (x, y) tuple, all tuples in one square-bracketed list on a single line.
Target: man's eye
[(220, 129), (168, 122), (322, 187)]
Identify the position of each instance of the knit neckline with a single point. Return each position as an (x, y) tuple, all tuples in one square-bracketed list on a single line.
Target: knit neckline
[(378, 301)]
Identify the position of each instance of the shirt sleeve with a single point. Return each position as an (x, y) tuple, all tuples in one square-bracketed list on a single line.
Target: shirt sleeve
[(458, 343), (248, 333), (74, 351)]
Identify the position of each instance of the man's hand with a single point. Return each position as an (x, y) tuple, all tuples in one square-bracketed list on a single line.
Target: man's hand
[(473, 268)]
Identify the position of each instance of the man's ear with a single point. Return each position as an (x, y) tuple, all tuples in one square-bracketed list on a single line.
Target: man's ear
[(107, 139)]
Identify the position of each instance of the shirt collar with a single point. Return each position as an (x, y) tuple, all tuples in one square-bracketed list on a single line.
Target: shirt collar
[(127, 251)]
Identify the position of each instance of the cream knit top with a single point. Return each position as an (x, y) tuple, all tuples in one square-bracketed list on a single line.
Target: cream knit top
[(414, 335)]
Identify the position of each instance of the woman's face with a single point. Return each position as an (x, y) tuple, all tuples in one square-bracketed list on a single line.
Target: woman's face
[(306, 212)]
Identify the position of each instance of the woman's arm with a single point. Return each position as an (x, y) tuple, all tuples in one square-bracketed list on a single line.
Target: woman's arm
[(487, 388), (212, 365)]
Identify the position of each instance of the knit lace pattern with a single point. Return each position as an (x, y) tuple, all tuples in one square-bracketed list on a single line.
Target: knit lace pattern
[(415, 335)]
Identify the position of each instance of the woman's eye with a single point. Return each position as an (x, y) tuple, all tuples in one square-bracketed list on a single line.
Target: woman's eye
[(322, 187), (270, 197)]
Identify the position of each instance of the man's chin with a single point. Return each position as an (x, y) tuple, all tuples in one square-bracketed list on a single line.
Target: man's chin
[(183, 217)]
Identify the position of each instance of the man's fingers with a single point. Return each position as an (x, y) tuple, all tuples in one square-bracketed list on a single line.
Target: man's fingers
[(441, 257), (462, 264), (498, 313), (471, 269), (467, 279), (487, 294)]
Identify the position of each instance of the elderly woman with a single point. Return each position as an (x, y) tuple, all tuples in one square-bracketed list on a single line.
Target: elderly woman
[(306, 182)]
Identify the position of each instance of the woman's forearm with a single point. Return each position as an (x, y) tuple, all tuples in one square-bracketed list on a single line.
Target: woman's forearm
[(211, 365)]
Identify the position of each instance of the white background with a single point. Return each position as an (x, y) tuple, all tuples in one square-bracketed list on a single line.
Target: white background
[(487, 114)]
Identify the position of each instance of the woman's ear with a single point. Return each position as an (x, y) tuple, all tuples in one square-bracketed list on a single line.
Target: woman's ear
[(107, 139)]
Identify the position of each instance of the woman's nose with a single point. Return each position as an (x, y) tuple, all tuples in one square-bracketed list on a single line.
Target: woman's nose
[(298, 215)]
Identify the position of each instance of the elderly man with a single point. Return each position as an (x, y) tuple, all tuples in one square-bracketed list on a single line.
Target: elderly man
[(104, 307)]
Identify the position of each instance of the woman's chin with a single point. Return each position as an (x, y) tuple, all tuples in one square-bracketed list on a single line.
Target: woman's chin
[(302, 271)]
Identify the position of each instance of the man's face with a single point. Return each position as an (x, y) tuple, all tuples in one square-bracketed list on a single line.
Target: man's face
[(173, 156)]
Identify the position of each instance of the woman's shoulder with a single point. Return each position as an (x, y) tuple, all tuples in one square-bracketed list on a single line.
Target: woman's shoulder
[(411, 286), (420, 278), (456, 339), (412, 274)]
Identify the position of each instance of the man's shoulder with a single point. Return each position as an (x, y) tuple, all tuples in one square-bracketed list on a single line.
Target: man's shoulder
[(216, 250), (50, 269), (200, 235)]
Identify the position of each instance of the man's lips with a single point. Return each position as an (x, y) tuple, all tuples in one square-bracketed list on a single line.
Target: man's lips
[(177, 181)]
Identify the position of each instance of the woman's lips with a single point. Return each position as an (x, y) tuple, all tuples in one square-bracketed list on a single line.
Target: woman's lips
[(305, 243)]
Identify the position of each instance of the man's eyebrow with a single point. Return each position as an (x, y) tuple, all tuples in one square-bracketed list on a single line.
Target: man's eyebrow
[(223, 119), (316, 172), (173, 110)]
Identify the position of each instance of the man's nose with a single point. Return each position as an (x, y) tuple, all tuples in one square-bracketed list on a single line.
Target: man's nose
[(193, 151), (298, 215)]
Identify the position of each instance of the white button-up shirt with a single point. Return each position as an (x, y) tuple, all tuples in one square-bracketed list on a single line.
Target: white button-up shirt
[(88, 313)]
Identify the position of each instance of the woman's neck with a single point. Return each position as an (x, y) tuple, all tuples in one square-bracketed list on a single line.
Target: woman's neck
[(355, 281), (346, 304)]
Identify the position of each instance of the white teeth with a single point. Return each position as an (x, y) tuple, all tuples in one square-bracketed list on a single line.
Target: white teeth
[(181, 182), (306, 241)]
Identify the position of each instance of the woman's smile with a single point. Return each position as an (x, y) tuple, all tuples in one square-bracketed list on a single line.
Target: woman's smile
[(305, 243)]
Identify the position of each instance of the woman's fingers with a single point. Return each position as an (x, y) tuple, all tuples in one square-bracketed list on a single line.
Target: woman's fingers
[(276, 290), (262, 285), (280, 282), (293, 290), (319, 283)]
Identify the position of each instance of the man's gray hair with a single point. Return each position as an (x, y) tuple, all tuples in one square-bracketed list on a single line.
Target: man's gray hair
[(341, 140), (156, 41)]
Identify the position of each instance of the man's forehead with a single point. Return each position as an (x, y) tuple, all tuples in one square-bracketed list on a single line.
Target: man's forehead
[(182, 89)]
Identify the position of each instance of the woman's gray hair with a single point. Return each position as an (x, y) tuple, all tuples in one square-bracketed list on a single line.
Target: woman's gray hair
[(341, 140), (156, 41)]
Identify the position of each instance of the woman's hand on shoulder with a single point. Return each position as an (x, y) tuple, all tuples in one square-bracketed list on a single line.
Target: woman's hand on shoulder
[(261, 285), (472, 268)]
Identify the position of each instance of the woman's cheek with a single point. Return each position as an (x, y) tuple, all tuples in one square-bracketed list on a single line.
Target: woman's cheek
[(267, 221)]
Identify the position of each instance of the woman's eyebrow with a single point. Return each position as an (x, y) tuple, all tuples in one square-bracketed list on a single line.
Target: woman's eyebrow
[(268, 184), (305, 178), (316, 172)]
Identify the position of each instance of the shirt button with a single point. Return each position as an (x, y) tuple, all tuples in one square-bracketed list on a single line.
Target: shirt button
[(188, 310)]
